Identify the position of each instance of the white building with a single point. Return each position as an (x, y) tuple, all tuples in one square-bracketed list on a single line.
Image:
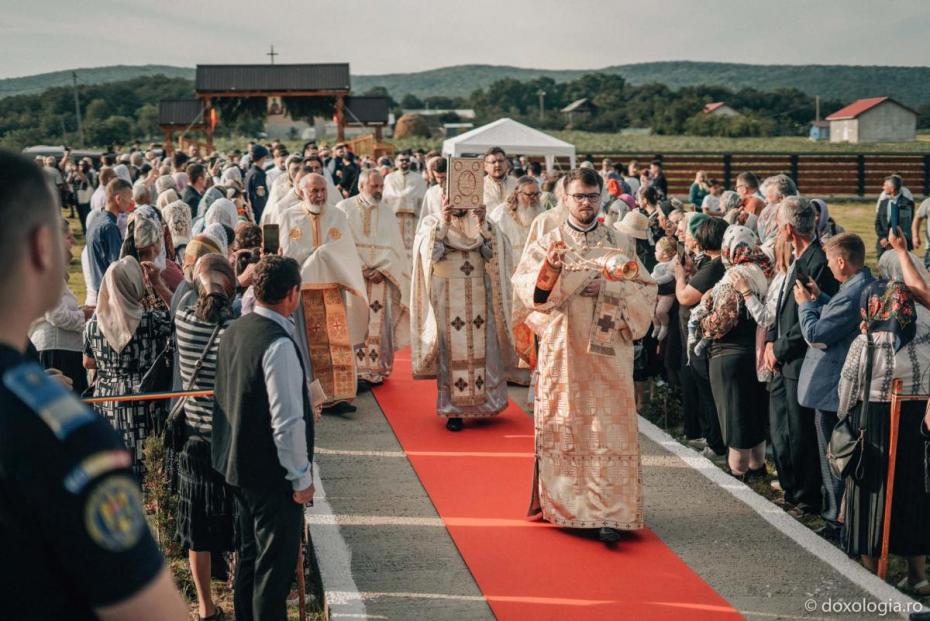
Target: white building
[(878, 119)]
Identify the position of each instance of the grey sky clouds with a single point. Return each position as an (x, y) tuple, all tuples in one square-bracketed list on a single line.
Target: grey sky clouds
[(400, 36)]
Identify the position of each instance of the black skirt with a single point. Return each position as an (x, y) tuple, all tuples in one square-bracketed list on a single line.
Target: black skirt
[(70, 363), (865, 500), (205, 504), (738, 395)]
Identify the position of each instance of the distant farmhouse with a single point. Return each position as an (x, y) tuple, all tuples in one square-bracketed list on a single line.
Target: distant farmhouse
[(720, 108), (878, 119)]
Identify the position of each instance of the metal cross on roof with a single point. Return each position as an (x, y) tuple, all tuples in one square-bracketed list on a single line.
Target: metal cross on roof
[(272, 54)]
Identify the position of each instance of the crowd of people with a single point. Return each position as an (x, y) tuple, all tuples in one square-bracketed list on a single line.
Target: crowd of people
[(282, 282)]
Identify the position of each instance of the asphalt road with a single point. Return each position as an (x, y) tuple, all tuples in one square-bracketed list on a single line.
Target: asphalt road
[(385, 554)]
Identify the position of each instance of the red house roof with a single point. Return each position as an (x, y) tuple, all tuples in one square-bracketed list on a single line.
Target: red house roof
[(713, 106), (856, 108)]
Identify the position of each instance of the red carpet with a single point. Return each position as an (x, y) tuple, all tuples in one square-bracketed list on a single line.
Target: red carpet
[(479, 481)]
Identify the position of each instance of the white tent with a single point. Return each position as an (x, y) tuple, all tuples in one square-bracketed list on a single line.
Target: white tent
[(514, 138)]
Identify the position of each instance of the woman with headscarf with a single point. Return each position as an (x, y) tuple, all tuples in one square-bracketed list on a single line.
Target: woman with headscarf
[(826, 226), (121, 341), (222, 211), (731, 329), (204, 514), (900, 335), (181, 180), (145, 243), (210, 196), (166, 198), (177, 217)]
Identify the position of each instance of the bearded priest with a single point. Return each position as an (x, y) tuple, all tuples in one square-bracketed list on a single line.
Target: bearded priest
[(460, 313), (588, 471), (332, 317), (403, 192), (387, 277)]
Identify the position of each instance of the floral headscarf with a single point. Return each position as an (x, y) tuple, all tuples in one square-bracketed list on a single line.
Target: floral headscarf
[(888, 306), (740, 245)]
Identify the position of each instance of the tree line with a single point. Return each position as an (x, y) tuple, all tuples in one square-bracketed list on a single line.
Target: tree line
[(128, 109)]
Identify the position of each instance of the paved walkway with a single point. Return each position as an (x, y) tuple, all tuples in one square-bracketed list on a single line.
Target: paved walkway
[(385, 554)]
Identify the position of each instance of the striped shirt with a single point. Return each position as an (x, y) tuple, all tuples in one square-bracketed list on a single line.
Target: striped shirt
[(192, 336)]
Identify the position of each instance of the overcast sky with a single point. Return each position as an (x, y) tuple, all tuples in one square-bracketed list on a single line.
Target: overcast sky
[(381, 36)]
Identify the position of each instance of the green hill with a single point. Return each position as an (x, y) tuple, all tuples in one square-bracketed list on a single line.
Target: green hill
[(32, 84), (911, 85)]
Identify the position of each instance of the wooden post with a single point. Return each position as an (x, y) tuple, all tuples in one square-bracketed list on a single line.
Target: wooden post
[(860, 163), (378, 133), (340, 118), (727, 170), (927, 174), (889, 479), (793, 159), (208, 126), (169, 140)]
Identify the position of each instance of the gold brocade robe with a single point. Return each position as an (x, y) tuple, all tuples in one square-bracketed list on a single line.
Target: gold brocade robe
[(515, 225), (459, 319), (333, 313), (497, 192), (588, 472), (378, 241)]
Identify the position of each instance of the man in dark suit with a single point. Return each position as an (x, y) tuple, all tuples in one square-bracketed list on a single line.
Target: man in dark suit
[(263, 439), (891, 189), (792, 429), (829, 325)]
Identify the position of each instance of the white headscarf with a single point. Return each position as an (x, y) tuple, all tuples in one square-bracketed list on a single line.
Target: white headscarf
[(122, 171), (178, 217), (166, 198), (217, 235), (222, 211), (232, 173), (119, 302)]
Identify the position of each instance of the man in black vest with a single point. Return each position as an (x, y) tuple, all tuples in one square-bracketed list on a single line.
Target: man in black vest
[(263, 439), (792, 429)]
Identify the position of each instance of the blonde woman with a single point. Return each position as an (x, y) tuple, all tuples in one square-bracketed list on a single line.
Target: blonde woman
[(699, 189)]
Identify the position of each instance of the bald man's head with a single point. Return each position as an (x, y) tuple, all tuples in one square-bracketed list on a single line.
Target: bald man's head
[(312, 189)]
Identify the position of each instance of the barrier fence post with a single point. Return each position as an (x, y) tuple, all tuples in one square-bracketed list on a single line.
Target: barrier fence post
[(727, 170), (926, 174), (794, 167), (860, 160)]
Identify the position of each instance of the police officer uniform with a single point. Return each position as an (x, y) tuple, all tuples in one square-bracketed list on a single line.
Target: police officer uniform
[(257, 189), (73, 533)]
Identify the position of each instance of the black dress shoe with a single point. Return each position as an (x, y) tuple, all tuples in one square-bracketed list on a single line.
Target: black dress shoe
[(455, 424), (343, 407), (758, 473), (609, 535)]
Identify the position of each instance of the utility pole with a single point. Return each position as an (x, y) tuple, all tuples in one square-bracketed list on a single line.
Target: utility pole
[(817, 107), (542, 105), (272, 54), (77, 109)]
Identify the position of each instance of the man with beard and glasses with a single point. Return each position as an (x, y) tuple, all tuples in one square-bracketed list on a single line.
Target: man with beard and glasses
[(332, 316), (387, 277), (514, 218), (588, 472), (498, 184), (403, 192), (460, 313)]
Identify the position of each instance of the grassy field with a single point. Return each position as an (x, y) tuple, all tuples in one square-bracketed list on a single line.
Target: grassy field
[(590, 142)]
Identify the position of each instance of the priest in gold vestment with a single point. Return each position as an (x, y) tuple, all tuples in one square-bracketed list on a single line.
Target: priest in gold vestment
[(387, 277), (460, 313), (332, 318), (403, 192), (514, 219), (588, 471)]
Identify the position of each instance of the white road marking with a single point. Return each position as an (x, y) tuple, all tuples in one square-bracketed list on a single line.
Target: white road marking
[(784, 523), (334, 556)]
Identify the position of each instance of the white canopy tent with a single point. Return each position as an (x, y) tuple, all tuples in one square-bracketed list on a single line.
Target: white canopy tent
[(514, 138)]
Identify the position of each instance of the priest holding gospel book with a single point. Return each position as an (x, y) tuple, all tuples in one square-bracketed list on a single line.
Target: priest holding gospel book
[(460, 311), (588, 471)]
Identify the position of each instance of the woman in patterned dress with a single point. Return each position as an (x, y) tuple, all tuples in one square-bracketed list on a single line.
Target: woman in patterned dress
[(121, 341)]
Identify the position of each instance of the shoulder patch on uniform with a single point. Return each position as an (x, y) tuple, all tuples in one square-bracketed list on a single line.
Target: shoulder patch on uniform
[(113, 515), (55, 405), (93, 466)]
